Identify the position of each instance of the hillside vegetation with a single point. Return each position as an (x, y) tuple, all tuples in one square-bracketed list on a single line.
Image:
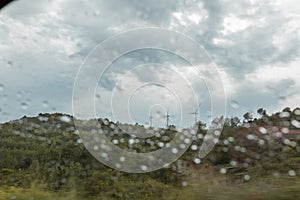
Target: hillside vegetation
[(43, 157)]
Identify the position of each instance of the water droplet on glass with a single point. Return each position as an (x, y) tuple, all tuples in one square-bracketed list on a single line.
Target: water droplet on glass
[(45, 104), (237, 148), (194, 147), (96, 148), (24, 105), (65, 119), (131, 141), (174, 150), (115, 141), (262, 130), (292, 173), (79, 141), (284, 114), (122, 159), (199, 136), (286, 141), (9, 64), (225, 149), (243, 149), (247, 177), (184, 183), (161, 144), (226, 142), (296, 123), (233, 163), (261, 142), (276, 174), (197, 161), (187, 140), (234, 104), (285, 130), (223, 171), (1, 87), (230, 139), (98, 97), (144, 167)]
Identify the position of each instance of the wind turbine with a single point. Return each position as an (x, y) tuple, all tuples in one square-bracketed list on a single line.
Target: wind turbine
[(167, 117), (196, 113), (150, 120)]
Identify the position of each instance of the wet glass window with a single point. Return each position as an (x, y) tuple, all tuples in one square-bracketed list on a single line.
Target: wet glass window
[(149, 99)]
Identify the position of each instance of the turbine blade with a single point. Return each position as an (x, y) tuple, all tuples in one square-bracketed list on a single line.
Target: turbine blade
[(198, 108)]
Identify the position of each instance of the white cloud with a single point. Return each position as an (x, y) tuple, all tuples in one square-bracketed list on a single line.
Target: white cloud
[(233, 24)]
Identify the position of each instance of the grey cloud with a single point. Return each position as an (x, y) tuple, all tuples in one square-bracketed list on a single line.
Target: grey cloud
[(85, 24), (253, 46)]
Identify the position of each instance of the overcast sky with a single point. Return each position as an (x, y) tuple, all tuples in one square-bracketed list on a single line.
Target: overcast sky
[(254, 44)]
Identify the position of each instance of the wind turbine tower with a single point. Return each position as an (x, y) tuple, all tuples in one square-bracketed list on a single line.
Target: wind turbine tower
[(150, 120), (168, 117), (196, 113)]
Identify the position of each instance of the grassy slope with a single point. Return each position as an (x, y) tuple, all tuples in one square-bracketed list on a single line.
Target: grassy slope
[(61, 168)]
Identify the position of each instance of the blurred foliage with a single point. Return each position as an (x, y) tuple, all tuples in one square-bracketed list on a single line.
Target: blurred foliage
[(43, 157)]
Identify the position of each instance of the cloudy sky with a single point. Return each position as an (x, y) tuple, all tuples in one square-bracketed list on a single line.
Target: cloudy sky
[(254, 44)]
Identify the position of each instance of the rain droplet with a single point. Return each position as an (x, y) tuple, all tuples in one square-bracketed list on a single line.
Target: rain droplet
[(284, 114), (223, 171), (98, 97), (79, 141), (96, 148), (197, 161), (287, 142), (233, 163), (9, 64), (243, 149), (234, 104), (161, 144), (217, 133), (226, 142), (45, 104), (184, 183), (1, 87), (225, 149), (187, 140), (292, 173), (115, 141), (276, 174), (65, 119), (262, 130), (199, 136), (194, 147), (104, 155), (230, 139), (131, 141), (237, 148), (251, 137), (24, 105), (296, 123), (261, 142), (144, 167), (174, 150), (122, 159), (285, 130), (247, 177)]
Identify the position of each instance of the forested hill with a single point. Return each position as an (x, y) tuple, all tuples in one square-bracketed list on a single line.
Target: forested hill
[(47, 151)]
